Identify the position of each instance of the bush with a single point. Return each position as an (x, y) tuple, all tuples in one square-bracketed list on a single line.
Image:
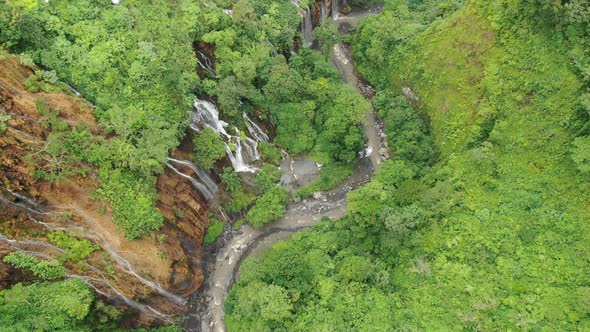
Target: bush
[(269, 153), (3, 120), (42, 81), (214, 230), (56, 306), (207, 148), (46, 270), (268, 207), (581, 153), (267, 177), (330, 176), (133, 200), (74, 249)]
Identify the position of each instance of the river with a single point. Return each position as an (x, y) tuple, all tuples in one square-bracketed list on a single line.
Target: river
[(206, 309)]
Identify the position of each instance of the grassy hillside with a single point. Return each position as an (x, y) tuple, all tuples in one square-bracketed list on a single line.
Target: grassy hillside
[(488, 230), (514, 253)]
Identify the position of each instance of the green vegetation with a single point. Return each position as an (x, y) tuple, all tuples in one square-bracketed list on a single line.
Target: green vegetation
[(42, 80), (330, 175), (3, 120), (480, 221), (269, 153), (208, 148), (75, 249), (46, 270), (214, 230), (268, 206), (58, 306), (131, 200)]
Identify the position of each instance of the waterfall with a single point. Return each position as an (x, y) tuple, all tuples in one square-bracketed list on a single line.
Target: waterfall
[(323, 10), (196, 184), (240, 157), (210, 186), (245, 150), (208, 115), (126, 267), (307, 28), (33, 247), (254, 129), (335, 9), (22, 206), (23, 198), (205, 63), (145, 309)]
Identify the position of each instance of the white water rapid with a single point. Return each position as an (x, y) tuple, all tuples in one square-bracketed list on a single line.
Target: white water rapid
[(241, 149)]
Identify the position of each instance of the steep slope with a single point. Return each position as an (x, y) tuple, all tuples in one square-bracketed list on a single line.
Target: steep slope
[(502, 102), (149, 270)]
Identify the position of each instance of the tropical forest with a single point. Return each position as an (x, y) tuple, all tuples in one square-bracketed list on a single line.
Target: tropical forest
[(294, 165)]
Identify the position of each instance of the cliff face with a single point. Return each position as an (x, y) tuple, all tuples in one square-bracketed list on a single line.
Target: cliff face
[(150, 271)]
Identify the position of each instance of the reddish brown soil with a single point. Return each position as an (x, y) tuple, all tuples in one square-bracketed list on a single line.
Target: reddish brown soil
[(173, 260)]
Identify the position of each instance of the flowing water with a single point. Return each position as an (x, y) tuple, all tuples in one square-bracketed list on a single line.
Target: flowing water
[(307, 28), (202, 182), (323, 11), (241, 150), (335, 9), (206, 312), (205, 63), (254, 129)]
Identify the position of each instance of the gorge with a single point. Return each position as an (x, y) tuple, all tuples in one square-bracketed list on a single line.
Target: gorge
[(294, 165)]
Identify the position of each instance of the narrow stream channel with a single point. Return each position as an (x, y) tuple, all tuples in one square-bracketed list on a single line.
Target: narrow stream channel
[(206, 311)]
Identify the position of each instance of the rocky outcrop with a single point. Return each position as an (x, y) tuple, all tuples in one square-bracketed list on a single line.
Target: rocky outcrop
[(158, 271)]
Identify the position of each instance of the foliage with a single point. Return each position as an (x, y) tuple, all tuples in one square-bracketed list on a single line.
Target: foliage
[(74, 249), (46, 270), (3, 120), (581, 153), (133, 202), (231, 180), (267, 176), (479, 222), (207, 148), (42, 80), (327, 35), (57, 306), (214, 230), (269, 153), (268, 207), (330, 175)]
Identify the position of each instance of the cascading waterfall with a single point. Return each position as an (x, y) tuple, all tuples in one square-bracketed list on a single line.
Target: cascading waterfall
[(208, 115), (31, 245), (198, 185), (323, 10), (239, 156), (241, 151), (205, 63), (204, 184), (335, 9), (207, 180), (307, 28), (22, 206), (145, 309), (254, 129)]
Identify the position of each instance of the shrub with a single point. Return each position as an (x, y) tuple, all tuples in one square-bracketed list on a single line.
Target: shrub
[(74, 249), (208, 148), (214, 230), (46, 270), (268, 207)]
